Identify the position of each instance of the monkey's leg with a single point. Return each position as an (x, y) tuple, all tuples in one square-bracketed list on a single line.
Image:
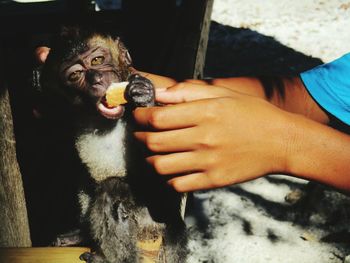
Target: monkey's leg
[(140, 91)]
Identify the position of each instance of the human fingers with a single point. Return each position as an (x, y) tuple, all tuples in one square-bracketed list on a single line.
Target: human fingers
[(192, 182), (186, 91), (177, 163), (170, 141), (159, 82), (41, 54), (172, 116)]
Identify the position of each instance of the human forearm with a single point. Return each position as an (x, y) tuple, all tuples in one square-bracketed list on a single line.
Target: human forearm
[(296, 98), (318, 152)]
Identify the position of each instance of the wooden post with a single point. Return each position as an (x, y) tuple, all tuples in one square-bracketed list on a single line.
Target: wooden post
[(203, 39), (188, 55), (14, 227)]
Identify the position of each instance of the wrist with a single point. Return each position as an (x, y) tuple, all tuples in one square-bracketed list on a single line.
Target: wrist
[(286, 142), (292, 142), (316, 152), (303, 142)]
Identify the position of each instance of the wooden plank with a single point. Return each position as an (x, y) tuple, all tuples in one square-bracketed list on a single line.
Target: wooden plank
[(14, 227)]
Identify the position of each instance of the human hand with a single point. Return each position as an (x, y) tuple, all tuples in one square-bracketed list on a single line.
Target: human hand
[(208, 136)]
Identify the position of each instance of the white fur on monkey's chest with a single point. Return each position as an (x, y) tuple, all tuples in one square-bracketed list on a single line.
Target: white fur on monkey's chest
[(103, 154)]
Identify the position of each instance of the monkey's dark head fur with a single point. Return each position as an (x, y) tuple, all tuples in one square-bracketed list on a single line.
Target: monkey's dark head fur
[(80, 67)]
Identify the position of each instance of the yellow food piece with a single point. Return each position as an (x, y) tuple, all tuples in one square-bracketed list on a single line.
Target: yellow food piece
[(150, 245), (115, 94), (149, 250)]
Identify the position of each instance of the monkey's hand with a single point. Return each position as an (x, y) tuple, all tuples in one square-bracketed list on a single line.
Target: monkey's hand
[(140, 91)]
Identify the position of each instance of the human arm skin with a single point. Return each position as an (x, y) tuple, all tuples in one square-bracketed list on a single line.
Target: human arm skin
[(296, 99), (320, 153), (210, 136)]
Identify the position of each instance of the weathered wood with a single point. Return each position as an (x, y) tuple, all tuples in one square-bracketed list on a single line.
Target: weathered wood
[(14, 228), (188, 54), (203, 39)]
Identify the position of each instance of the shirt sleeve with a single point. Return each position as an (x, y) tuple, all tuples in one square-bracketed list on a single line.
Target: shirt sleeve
[(329, 85)]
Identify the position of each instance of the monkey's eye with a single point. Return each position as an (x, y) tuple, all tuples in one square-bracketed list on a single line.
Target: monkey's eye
[(74, 76), (97, 61)]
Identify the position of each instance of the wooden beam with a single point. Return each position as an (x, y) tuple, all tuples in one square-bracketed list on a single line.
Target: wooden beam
[(14, 227), (188, 55)]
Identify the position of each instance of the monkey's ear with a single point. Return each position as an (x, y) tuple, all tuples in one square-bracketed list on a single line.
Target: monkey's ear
[(124, 53)]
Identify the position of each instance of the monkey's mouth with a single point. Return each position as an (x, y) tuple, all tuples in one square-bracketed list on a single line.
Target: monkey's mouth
[(110, 105), (110, 112)]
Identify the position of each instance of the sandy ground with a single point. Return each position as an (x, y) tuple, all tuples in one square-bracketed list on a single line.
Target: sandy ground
[(254, 222)]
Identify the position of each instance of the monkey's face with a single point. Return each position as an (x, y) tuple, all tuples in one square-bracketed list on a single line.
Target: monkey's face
[(91, 72)]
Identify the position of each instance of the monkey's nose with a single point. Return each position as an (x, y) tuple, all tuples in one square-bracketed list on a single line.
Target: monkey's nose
[(94, 76)]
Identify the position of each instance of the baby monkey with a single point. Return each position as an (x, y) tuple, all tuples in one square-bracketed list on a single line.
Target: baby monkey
[(123, 203)]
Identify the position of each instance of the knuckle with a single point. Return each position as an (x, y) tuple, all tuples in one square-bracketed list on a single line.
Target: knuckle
[(180, 85), (217, 108), (211, 113), (205, 141), (213, 108), (211, 161)]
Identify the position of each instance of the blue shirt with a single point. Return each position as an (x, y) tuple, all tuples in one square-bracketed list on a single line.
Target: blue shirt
[(329, 85)]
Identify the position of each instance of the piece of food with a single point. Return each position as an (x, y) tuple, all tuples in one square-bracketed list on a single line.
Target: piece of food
[(115, 94), (150, 249)]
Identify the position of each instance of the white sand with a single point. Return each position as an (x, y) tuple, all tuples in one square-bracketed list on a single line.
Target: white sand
[(256, 225)]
